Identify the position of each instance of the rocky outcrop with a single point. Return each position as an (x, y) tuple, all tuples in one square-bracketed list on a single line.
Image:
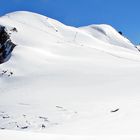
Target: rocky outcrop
[(6, 45)]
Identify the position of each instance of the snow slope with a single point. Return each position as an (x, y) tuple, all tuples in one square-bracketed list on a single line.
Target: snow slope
[(6, 135), (69, 81), (108, 34)]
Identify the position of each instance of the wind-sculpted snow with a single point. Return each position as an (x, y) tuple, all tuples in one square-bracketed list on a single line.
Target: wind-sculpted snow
[(67, 80)]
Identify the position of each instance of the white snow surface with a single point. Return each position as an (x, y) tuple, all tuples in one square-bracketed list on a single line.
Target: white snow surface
[(69, 81)]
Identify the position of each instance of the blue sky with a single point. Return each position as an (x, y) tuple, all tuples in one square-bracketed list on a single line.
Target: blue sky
[(121, 14)]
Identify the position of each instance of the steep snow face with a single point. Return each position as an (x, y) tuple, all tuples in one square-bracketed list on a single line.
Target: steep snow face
[(62, 79)]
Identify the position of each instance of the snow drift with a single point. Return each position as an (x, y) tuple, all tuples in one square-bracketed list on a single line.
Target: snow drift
[(67, 80)]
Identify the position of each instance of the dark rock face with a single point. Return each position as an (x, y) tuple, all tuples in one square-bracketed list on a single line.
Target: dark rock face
[(6, 45), (120, 33)]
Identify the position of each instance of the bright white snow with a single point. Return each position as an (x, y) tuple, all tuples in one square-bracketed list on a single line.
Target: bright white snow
[(69, 81)]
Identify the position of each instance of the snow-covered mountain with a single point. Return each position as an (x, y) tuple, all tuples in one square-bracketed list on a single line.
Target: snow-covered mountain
[(67, 80)]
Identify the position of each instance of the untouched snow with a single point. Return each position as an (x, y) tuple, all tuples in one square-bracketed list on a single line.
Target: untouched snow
[(78, 83), (108, 34), (6, 135)]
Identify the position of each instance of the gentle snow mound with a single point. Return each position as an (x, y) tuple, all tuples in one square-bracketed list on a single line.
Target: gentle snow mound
[(108, 34)]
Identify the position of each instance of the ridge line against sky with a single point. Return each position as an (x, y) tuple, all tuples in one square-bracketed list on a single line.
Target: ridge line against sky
[(121, 14)]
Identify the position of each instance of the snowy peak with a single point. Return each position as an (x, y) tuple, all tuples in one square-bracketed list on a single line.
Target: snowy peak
[(102, 32), (108, 34), (44, 38)]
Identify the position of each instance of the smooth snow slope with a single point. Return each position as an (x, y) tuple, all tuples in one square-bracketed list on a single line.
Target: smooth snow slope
[(108, 34), (68, 80)]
